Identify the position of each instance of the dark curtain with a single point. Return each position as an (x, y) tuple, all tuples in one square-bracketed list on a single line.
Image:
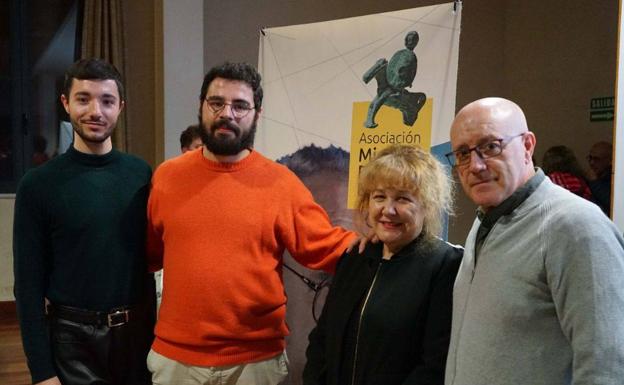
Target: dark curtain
[(103, 37)]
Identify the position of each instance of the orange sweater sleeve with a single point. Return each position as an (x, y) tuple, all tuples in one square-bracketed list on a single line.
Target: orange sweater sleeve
[(307, 233)]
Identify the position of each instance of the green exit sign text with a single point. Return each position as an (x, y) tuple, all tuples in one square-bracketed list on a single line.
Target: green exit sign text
[(601, 109)]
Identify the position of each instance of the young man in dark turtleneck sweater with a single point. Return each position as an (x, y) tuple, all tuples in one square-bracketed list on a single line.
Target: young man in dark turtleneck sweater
[(79, 235)]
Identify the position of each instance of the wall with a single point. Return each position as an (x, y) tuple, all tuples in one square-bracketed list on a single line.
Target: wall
[(232, 28), (551, 57), (6, 249), (559, 55), (141, 30), (183, 31)]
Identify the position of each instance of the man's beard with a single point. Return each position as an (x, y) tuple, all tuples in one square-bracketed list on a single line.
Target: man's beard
[(225, 145)]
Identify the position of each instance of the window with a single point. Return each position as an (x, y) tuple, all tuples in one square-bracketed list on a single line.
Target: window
[(37, 44)]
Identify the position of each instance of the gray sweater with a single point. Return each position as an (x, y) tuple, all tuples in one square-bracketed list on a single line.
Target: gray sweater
[(545, 302)]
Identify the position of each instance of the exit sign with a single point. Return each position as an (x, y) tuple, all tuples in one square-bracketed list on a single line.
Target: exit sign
[(601, 109)]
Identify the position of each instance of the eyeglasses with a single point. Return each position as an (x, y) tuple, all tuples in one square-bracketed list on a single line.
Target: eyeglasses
[(486, 150), (239, 109)]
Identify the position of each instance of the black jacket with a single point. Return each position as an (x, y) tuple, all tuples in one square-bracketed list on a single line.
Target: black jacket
[(406, 323)]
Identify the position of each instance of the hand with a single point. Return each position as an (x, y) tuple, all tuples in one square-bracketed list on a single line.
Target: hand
[(361, 242), (50, 381)]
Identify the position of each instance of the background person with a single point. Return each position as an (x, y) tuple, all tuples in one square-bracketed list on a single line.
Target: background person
[(79, 242), (387, 318), (560, 165), (600, 160), (190, 138), (538, 297)]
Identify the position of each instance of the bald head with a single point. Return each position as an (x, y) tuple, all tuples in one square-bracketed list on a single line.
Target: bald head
[(493, 123), (505, 113)]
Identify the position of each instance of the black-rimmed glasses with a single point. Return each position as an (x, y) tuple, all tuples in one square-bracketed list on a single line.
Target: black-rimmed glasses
[(239, 109), (486, 150)]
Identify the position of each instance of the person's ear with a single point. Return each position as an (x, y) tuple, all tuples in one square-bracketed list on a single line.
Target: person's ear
[(529, 142), (65, 102)]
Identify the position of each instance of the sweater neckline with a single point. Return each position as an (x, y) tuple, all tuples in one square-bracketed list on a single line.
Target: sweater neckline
[(413, 248), (94, 160), (250, 159)]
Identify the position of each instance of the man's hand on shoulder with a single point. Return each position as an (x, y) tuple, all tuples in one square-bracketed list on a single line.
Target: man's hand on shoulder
[(361, 241)]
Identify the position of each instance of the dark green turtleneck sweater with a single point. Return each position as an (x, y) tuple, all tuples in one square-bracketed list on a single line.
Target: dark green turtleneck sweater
[(78, 240)]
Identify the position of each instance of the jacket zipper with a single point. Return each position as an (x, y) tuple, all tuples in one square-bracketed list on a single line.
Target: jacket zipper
[(357, 338)]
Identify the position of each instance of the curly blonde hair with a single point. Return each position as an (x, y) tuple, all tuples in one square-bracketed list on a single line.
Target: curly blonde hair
[(411, 169)]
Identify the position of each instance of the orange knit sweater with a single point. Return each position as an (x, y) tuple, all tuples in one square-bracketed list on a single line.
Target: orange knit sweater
[(219, 231)]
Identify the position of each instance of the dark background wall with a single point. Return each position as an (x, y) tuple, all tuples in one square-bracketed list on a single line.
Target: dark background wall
[(551, 57)]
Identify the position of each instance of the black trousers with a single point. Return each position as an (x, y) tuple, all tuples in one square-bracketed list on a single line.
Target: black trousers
[(90, 354)]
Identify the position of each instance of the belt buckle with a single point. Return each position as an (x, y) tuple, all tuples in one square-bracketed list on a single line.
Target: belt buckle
[(117, 318)]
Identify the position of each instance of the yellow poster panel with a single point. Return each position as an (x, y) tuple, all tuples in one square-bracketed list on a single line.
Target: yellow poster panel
[(365, 142)]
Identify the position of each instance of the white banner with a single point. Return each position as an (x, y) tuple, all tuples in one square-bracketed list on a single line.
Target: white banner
[(335, 93), (315, 92)]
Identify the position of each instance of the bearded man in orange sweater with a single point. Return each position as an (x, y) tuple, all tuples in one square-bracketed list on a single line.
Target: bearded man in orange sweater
[(219, 220)]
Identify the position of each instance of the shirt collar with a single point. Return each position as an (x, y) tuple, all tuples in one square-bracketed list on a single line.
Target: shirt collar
[(510, 204)]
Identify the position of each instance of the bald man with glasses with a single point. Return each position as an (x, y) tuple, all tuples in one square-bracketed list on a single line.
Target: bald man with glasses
[(539, 298)]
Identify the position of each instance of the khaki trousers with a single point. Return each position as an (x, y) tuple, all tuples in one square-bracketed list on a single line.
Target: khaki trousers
[(166, 371)]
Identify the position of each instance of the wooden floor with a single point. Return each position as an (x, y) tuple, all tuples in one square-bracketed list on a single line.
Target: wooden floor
[(13, 369)]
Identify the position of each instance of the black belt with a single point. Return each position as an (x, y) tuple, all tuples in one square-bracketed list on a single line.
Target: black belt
[(114, 317)]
